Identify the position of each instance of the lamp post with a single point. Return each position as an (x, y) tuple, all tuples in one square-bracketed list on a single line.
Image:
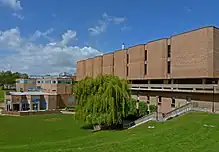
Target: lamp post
[(214, 86)]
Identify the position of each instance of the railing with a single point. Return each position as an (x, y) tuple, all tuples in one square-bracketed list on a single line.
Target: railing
[(179, 111), (207, 88), (142, 120)]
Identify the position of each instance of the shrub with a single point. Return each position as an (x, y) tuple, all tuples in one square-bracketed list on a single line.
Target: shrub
[(143, 108)]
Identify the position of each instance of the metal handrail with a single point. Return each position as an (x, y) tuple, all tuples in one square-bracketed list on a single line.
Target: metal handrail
[(187, 107), (146, 117)]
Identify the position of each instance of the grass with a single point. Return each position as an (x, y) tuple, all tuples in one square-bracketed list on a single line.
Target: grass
[(60, 133)]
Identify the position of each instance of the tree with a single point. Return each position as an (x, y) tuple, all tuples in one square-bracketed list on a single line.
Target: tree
[(8, 77), (102, 100)]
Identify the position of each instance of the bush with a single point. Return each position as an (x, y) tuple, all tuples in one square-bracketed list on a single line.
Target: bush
[(153, 108), (143, 108)]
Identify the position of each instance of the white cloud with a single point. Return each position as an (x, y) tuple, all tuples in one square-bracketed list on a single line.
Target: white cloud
[(101, 27), (68, 37), (35, 58), (104, 22), (13, 4), (38, 34), (114, 19), (19, 16)]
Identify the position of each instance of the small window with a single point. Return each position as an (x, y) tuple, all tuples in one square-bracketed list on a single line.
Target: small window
[(168, 67), (148, 97), (127, 70), (59, 82), (145, 69), (68, 82), (54, 82), (169, 51), (145, 55), (127, 58), (25, 81), (38, 82), (173, 103), (53, 90), (159, 100)]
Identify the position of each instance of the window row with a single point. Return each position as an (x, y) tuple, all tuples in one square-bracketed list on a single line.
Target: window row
[(54, 82), (145, 58)]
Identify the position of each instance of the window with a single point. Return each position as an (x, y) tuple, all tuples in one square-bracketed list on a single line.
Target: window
[(173, 102), (25, 81), (127, 70), (159, 100), (38, 82), (47, 81), (68, 82), (145, 69), (168, 67), (17, 81), (169, 51), (127, 58), (145, 55), (148, 97), (54, 82), (59, 82)]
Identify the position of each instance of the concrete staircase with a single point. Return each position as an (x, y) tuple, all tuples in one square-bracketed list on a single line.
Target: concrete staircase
[(140, 121), (157, 117), (179, 111)]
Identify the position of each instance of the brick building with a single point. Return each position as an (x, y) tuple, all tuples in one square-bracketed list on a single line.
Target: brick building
[(46, 93), (171, 71)]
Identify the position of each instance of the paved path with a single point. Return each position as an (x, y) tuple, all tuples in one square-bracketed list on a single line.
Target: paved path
[(67, 112)]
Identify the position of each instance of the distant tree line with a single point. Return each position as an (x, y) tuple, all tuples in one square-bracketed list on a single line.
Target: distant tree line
[(8, 77)]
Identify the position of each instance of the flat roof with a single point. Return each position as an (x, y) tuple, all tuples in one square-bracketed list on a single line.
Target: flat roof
[(29, 93)]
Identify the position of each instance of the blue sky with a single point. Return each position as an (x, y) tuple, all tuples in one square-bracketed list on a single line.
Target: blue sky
[(49, 36)]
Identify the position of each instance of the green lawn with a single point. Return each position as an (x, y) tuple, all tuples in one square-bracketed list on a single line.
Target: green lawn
[(51, 133)]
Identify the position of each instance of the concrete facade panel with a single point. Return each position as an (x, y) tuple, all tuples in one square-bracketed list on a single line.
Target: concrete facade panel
[(136, 62), (52, 102), (80, 70), (89, 67), (108, 64), (165, 105), (97, 66), (216, 53), (157, 59), (65, 100), (192, 54), (120, 63)]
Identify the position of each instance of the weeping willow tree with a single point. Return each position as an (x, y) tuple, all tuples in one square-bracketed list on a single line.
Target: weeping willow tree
[(102, 100)]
